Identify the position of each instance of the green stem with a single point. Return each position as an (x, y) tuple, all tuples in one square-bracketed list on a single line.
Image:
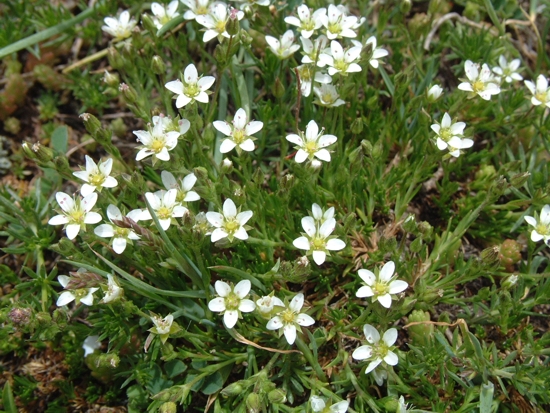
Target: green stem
[(302, 346)]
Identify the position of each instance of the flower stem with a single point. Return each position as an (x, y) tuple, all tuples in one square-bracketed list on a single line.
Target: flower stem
[(302, 346)]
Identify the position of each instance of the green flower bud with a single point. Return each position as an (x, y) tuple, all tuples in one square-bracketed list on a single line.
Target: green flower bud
[(168, 407), (278, 89), (226, 166), (356, 155), (286, 183), (258, 176), (12, 125), (148, 24), (510, 253), (490, 256), (510, 282), (405, 6), (277, 396), (357, 126), (410, 224), (245, 38), (426, 230), (234, 389), (232, 27), (157, 65), (119, 127), (367, 147), (91, 123), (416, 245), (208, 135), (377, 150), (518, 180), (220, 54), (115, 59), (253, 403), (420, 334), (129, 93)]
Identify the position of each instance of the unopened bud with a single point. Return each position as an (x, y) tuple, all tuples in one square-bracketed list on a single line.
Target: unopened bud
[(377, 150), (422, 332), (356, 155), (111, 79), (510, 281), (115, 59), (208, 135), (42, 153), (518, 180), (258, 177), (367, 147), (490, 256), (425, 229), (108, 360), (278, 89), (286, 183), (405, 6), (416, 245), (434, 93), (316, 164), (277, 396), (232, 26), (20, 316), (158, 66), (226, 166), (128, 92), (91, 123), (201, 173), (253, 403), (234, 389), (168, 407), (245, 38), (357, 126), (510, 253), (410, 224), (148, 24)]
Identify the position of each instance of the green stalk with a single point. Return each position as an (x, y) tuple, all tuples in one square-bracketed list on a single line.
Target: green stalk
[(311, 360)]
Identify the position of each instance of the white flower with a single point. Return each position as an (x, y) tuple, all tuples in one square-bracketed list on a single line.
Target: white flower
[(337, 23), (381, 287), (540, 91), (121, 28), (196, 8), (192, 88), (375, 52), (229, 224), (483, 83), (114, 291), (96, 176), (162, 325), (454, 145), (377, 351), (541, 226), (450, 136), (403, 407), (163, 14), (340, 62), (283, 48), (327, 96), (311, 51), (291, 317), (316, 239), (231, 301), (247, 3), (379, 375), (80, 295), (267, 303), (508, 70), (319, 215), (184, 193), (76, 213), (156, 142), (239, 132), (170, 125), (305, 72), (120, 235), (306, 21), (434, 93), (312, 144), (165, 206), (318, 405), (91, 344), (215, 22)]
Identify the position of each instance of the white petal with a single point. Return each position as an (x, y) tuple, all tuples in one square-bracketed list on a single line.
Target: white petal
[(390, 337), (119, 245), (305, 320), (215, 218), (190, 75), (364, 291), (243, 217), (65, 298), (104, 230), (247, 306), (168, 180), (275, 323), (398, 286), (227, 146), (290, 333), (230, 318), (297, 302), (327, 227), (317, 212), (218, 234), (545, 214), (391, 358), (323, 155), (367, 276), (371, 334), (63, 280), (222, 288), (247, 145), (335, 245), (387, 271), (253, 127), (372, 365), (295, 139), (340, 407), (312, 131), (242, 288), (308, 224), (217, 305), (65, 201), (301, 156), (301, 243), (229, 208), (317, 404), (530, 220), (175, 86), (362, 353), (319, 257), (58, 220), (72, 230), (384, 300)]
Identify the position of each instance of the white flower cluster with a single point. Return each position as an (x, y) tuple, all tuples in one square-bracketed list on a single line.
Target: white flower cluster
[(111, 291)]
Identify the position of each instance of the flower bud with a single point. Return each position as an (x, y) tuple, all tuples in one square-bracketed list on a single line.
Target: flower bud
[(286, 183), (510, 281), (253, 403), (416, 245), (410, 224), (245, 38), (278, 89), (12, 125), (115, 59), (111, 79), (168, 407), (201, 173), (234, 389), (208, 135), (148, 24), (258, 176), (518, 180), (420, 334), (20, 316), (232, 27), (277, 396), (356, 155), (157, 65), (425, 229), (510, 253), (357, 126), (316, 164), (434, 93), (490, 256), (129, 93), (91, 123), (367, 147), (405, 6), (226, 166), (119, 127), (377, 150)]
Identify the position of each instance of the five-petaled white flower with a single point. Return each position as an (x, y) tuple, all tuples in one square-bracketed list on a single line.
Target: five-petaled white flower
[(307, 22), (481, 82), (192, 88), (339, 61), (196, 8), (327, 96), (508, 71), (291, 317), (244, 4), (170, 125), (377, 351), (381, 287), (163, 14), (540, 91), (319, 405), (375, 52), (215, 22), (305, 72), (541, 226), (96, 176), (230, 224), (165, 206), (312, 143), (120, 235), (232, 301), (156, 142), (91, 344), (80, 295), (113, 292), (238, 132), (337, 23), (120, 28), (450, 136), (76, 213), (184, 193), (283, 48), (316, 239)]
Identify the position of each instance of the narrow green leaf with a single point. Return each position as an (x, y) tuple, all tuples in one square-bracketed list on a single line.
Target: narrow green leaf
[(387, 80), (486, 397), (7, 399), (60, 139)]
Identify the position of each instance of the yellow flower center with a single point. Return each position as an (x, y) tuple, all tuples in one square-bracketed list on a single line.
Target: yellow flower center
[(308, 25), (192, 90), (201, 10), (288, 316), (341, 65), (445, 134), (238, 136), (96, 179), (157, 144), (327, 98), (77, 216), (335, 27), (478, 86), (80, 293), (164, 213), (381, 288), (232, 301), (311, 147), (121, 232), (231, 226), (318, 243), (220, 26), (305, 74), (541, 97), (542, 229)]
